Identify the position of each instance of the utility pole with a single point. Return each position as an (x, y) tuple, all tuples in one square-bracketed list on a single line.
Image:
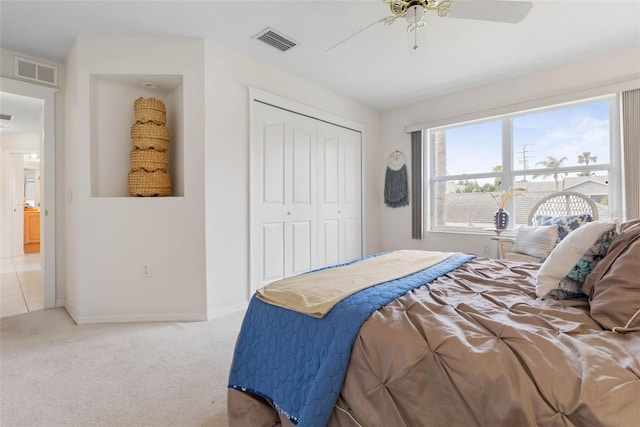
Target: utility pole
[(525, 159)]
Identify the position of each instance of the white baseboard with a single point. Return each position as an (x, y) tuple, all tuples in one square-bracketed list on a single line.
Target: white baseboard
[(71, 312), (176, 317), (219, 312)]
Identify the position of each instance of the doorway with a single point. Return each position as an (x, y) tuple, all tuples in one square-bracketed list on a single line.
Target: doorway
[(23, 195), (22, 270)]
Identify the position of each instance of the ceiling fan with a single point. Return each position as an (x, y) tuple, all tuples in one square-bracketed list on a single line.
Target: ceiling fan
[(414, 12)]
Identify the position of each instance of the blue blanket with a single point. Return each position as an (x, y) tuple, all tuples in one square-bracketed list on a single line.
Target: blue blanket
[(298, 362)]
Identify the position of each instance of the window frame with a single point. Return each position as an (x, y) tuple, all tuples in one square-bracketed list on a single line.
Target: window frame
[(509, 172)]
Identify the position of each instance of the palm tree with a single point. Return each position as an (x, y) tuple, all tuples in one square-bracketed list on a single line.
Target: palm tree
[(497, 182), (551, 163), (584, 159)]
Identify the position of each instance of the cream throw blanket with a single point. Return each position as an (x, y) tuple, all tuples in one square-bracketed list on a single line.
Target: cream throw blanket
[(316, 293)]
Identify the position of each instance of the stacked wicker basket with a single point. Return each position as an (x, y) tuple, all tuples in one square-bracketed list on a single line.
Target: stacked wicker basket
[(149, 158)]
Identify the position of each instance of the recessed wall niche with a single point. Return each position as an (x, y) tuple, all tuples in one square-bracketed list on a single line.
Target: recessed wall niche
[(112, 115)]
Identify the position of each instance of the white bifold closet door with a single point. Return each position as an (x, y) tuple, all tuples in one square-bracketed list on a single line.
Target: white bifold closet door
[(339, 194), (306, 192)]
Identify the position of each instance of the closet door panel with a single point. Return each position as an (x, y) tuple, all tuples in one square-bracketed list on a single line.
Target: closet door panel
[(284, 199), (329, 149), (268, 199), (352, 178), (330, 242), (272, 171), (340, 194), (302, 249), (328, 195), (273, 252), (351, 238), (302, 166), (350, 202)]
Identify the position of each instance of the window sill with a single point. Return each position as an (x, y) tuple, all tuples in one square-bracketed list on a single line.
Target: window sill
[(473, 231)]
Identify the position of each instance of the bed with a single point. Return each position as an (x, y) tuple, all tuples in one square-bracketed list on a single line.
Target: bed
[(468, 341)]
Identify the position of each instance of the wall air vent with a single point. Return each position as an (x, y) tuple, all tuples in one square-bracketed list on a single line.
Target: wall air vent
[(36, 71), (7, 117), (274, 39)]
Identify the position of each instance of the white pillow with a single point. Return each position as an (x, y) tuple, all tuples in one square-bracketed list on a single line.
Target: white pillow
[(568, 252), (536, 241)]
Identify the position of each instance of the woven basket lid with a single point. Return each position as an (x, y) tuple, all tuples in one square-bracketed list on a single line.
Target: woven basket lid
[(150, 103)]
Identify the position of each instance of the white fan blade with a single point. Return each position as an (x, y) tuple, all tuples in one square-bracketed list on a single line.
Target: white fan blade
[(510, 12), (386, 21)]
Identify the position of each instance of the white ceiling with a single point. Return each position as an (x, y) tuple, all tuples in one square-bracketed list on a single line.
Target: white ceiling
[(25, 113), (375, 68)]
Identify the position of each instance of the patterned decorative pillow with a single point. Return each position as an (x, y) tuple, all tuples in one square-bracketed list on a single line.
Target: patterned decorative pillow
[(567, 289), (592, 256), (562, 274), (571, 285), (566, 224)]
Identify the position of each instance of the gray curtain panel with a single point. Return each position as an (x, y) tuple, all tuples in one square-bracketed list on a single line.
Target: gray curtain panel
[(416, 185), (631, 151)]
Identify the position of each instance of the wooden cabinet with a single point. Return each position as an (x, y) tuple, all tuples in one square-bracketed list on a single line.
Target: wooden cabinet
[(31, 231)]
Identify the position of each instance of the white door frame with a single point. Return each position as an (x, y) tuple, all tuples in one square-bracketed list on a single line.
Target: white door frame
[(47, 150)]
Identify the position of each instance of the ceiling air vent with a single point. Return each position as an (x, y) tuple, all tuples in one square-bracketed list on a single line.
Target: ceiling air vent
[(7, 117), (274, 39), (36, 71)]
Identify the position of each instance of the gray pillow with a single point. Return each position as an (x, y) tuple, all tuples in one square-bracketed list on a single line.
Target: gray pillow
[(536, 241)]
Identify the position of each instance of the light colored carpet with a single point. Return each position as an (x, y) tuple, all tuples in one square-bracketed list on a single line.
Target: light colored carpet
[(55, 373)]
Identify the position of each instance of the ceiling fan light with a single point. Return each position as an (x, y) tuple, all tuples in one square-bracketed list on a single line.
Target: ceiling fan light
[(414, 14)]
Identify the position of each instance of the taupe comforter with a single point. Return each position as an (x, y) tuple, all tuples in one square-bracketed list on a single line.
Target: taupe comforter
[(476, 348)]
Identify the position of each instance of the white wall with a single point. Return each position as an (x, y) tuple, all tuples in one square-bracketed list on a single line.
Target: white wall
[(105, 246), (20, 142), (228, 78), (108, 239), (618, 70)]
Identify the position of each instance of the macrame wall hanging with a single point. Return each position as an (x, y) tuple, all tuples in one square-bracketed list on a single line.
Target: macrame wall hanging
[(396, 182)]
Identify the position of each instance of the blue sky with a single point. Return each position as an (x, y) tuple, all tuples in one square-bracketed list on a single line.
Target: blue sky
[(565, 132)]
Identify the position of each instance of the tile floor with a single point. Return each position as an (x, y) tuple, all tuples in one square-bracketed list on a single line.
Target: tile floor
[(21, 285)]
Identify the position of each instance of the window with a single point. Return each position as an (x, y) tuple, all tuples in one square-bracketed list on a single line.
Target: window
[(570, 147)]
